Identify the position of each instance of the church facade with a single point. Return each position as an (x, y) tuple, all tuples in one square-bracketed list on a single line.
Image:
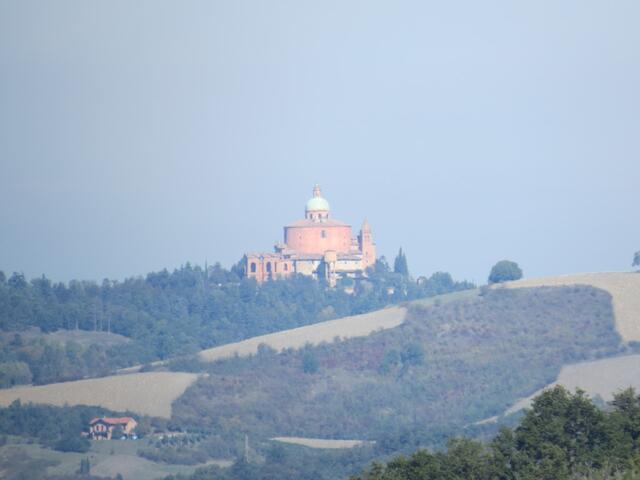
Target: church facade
[(317, 246)]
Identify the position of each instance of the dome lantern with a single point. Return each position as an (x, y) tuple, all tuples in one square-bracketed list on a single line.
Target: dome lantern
[(317, 207)]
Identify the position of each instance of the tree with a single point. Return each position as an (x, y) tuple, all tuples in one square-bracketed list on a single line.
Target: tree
[(504, 271), (412, 354), (381, 265), (17, 281), (310, 362), (14, 373), (85, 467), (73, 443), (118, 432), (636, 259), (400, 264)]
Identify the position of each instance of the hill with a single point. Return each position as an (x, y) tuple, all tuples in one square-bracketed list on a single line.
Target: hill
[(398, 378), (448, 365), (624, 288), (102, 328)]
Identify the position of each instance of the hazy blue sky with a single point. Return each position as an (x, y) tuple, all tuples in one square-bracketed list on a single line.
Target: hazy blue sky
[(141, 135)]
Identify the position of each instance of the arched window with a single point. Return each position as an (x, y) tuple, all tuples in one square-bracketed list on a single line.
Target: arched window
[(323, 234), (253, 267), (286, 267), (268, 267)]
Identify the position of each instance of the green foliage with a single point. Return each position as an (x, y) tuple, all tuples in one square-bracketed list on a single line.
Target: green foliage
[(310, 362), (563, 436), (636, 259), (85, 467), (412, 354), (59, 428), (72, 442), (504, 271), (14, 373), (171, 314), (446, 367), (400, 265)]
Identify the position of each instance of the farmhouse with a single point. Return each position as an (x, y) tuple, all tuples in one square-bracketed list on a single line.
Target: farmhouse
[(318, 246), (103, 428)]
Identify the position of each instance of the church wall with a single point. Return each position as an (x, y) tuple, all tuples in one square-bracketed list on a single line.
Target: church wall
[(266, 267), (313, 240)]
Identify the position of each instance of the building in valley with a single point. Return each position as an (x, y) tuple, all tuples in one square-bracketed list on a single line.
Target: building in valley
[(103, 428), (317, 246)]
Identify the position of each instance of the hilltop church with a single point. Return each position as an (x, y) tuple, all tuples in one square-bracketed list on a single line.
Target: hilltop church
[(317, 246)]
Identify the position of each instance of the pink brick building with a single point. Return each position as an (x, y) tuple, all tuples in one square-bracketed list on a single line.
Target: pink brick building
[(318, 246)]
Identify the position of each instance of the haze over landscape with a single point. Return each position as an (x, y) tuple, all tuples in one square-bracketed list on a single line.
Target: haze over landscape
[(455, 291), (140, 136)]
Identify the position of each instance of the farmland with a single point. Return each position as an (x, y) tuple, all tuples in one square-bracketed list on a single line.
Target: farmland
[(150, 393), (600, 378)]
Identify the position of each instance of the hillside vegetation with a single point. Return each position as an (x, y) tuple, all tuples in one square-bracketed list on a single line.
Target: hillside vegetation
[(564, 436), (446, 366), (624, 288), (169, 314), (602, 378)]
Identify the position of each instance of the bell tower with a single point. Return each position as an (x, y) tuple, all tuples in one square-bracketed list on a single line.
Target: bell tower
[(366, 245)]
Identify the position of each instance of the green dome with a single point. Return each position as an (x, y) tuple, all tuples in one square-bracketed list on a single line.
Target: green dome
[(317, 203)]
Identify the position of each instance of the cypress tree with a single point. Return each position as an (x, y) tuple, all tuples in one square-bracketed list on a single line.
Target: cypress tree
[(400, 264)]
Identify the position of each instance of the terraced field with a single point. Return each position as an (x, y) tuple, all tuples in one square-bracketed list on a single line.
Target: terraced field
[(149, 393)]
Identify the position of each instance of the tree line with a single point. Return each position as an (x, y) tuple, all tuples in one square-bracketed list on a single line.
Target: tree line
[(175, 313), (563, 436)]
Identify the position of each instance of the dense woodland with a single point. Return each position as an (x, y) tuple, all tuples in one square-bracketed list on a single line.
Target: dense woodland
[(166, 314)]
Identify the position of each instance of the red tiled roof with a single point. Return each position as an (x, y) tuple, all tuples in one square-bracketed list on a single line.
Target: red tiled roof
[(112, 420)]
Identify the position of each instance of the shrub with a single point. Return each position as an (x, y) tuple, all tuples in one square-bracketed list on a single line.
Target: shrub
[(504, 271)]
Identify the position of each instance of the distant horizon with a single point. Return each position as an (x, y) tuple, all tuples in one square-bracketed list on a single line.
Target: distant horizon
[(135, 137)]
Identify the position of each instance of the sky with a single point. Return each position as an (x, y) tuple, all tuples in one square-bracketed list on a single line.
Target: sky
[(141, 135)]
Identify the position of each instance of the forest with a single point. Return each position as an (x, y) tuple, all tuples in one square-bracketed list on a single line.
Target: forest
[(167, 314)]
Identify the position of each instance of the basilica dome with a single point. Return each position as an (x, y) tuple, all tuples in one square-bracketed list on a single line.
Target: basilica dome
[(317, 202)]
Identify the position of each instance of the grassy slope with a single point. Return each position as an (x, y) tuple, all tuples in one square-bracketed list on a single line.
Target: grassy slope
[(599, 377), (482, 353), (124, 460), (347, 327), (149, 393)]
